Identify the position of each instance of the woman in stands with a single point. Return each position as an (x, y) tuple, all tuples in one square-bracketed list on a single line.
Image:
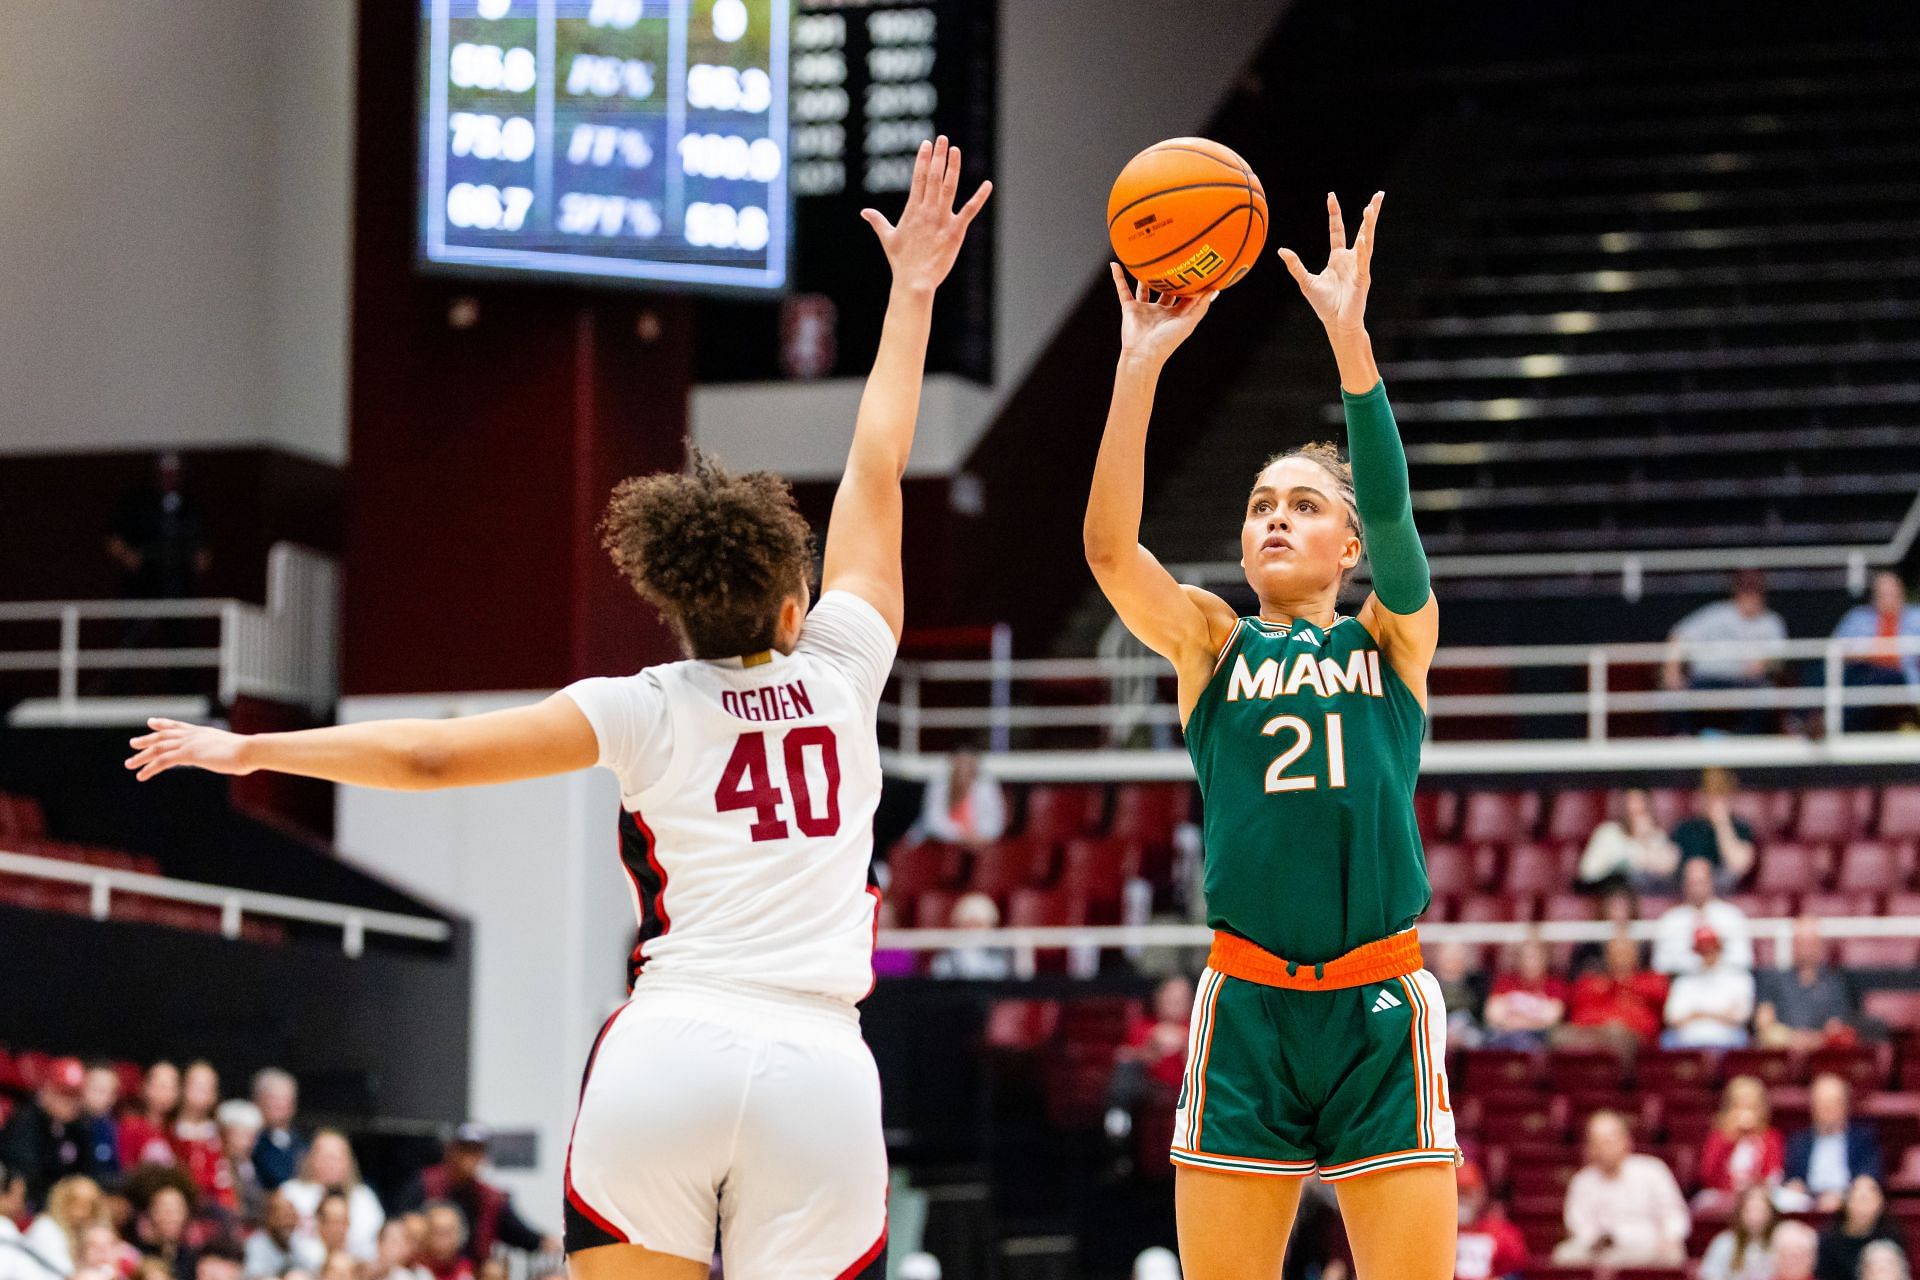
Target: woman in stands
[(1318, 1040), (733, 1088)]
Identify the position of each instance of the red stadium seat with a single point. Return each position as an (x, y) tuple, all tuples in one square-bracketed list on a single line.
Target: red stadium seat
[(1450, 870), (1583, 1072), (1031, 908), (1776, 1067), (1519, 1121), (1006, 865), (11, 1081), (132, 1077), (1567, 907), (1839, 904), (1148, 812), (1675, 1070), (914, 869), (1501, 817), (1493, 908), (1903, 904), (1760, 906), (934, 909), (1075, 1084), (1489, 1070), (1437, 813), (32, 1067), (1021, 1025), (1671, 805), (1532, 870), (1573, 815), (1900, 813), (1094, 870), (1769, 813), (1874, 866), (1787, 868), (1060, 812), (1898, 1009), (1864, 1066), (1830, 815), (1907, 1177), (1880, 953)]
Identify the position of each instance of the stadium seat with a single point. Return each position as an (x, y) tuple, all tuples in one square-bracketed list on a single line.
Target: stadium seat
[(1437, 813), (1900, 813), (1768, 813), (1874, 866), (1907, 1177), (1831, 815), (1573, 815), (998, 869), (1030, 908), (1671, 805), (1837, 905), (1519, 1119), (1022, 1025), (1055, 813), (1566, 907), (1864, 1066), (1493, 908), (1532, 870), (914, 869), (1897, 1009), (1669, 1071), (1880, 953), (934, 909), (1093, 870), (1450, 870), (1075, 1084), (1686, 1116), (1501, 817), (1488, 1070), (1148, 812), (1903, 904), (1760, 906), (1776, 1067), (1585, 1071), (1787, 868)]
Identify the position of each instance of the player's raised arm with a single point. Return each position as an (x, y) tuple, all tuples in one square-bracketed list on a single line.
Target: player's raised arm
[(538, 741), (1401, 612), (863, 534), (1185, 625)]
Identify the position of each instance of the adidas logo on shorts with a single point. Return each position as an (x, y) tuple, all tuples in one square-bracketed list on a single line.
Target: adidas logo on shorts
[(1386, 1000)]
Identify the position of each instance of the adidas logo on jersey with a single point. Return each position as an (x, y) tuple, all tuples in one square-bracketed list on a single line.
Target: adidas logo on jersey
[(1306, 635), (1386, 1000)]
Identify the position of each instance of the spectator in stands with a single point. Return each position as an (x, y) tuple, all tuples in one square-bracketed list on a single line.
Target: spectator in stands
[(339, 1266), (1796, 1247), (395, 1258), (196, 1134), (277, 1155), (964, 805), (163, 1197), (1744, 1150), (1673, 943), (1619, 1008), (220, 1259), (103, 1254), (1888, 617), (1824, 1159), (146, 1136), (158, 539), (1808, 1005), (1623, 1209), (1154, 1056), (1861, 1221), (1744, 1251), (46, 1138), (17, 1261), (487, 1210), (237, 1183), (1714, 835), (330, 1169), (1617, 905), (73, 1205), (1488, 1246), (99, 1103), (1528, 1001), (445, 1255), (1630, 848), (1743, 620), (981, 964), (1463, 989), (333, 1226), (1884, 1260), (279, 1245), (1710, 1007)]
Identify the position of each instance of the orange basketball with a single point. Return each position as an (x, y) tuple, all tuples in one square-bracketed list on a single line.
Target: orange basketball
[(1187, 215)]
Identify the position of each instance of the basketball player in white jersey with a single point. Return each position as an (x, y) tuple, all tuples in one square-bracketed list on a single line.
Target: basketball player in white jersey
[(733, 1089)]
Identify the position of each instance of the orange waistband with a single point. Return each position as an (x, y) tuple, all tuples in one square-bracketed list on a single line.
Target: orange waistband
[(1393, 957)]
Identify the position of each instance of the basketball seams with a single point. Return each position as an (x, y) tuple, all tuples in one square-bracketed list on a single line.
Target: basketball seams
[(1189, 201), (1121, 212), (1197, 237)]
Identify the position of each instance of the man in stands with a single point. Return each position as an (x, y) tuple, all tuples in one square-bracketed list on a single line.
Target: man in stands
[(1796, 1248), (1808, 1005), (46, 1140), (1715, 834), (1824, 1158), (1620, 1008), (1744, 621), (99, 1101), (1623, 1210), (219, 1260), (488, 1211), (1488, 1245), (1673, 942), (1888, 617), (1710, 1007), (280, 1148), (445, 1253)]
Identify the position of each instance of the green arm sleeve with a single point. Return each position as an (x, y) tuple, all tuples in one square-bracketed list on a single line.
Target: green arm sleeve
[(1400, 577)]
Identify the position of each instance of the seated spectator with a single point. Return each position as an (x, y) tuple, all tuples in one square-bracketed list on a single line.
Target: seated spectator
[(279, 1246), (1630, 848), (445, 1256), (1884, 1260), (196, 1134), (1887, 617), (1527, 1002), (1824, 1159), (1714, 835), (981, 964), (104, 1255), (1862, 1220), (1744, 1250), (45, 1140), (1623, 1209), (1751, 635), (1673, 942), (329, 1169), (219, 1260), (1710, 1007), (278, 1153), (1464, 990), (487, 1210), (395, 1258), (1796, 1246), (99, 1103), (146, 1135), (163, 1199), (1616, 904), (1154, 1056), (339, 1266), (1619, 1008), (1809, 1005), (1744, 1150), (964, 805), (73, 1205), (1488, 1246), (237, 1184), (333, 1227)]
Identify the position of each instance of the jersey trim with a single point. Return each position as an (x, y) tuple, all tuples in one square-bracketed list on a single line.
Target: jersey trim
[(1220, 659), (865, 1264), (574, 1200), (640, 855)]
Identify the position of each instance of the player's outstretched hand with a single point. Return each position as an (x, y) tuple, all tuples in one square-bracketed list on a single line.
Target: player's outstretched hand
[(174, 745), (1152, 327), (1338, 294), (921, 247)]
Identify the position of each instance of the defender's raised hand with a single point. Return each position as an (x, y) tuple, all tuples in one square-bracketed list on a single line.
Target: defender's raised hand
[(174, 745), (1338, 294), (1153, 328), (922, 246)]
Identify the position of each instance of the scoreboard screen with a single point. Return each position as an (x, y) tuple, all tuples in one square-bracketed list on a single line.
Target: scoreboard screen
[(632, 141)]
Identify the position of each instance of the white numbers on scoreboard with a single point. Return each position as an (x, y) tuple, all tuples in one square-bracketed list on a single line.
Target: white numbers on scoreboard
[(494, 10), (597, 77), (712, 88), (730, 20), (621, 15), (723, 155), (485, 207), (602, 145), (582, 214), (486, 137), (721, 226), (488, 66)]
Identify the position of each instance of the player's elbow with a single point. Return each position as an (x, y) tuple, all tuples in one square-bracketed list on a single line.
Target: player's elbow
[(1104, 551), (424, 762)]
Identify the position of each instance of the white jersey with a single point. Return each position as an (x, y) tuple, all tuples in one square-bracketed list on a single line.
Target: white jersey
[(747, 795)]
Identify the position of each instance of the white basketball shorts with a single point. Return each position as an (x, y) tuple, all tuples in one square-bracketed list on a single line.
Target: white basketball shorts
[(709, 1106)]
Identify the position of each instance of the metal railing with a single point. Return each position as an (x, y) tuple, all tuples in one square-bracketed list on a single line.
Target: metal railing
[(284, 651), (234, 905)]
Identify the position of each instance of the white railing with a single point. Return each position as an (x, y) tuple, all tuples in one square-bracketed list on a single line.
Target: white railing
[(285, 651), (354, 923)]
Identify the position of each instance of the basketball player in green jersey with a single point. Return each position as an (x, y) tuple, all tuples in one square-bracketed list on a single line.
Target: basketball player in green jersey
[(1318, 1041)]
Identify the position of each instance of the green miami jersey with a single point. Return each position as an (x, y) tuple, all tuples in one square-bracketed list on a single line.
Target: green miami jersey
[(1307, 743)]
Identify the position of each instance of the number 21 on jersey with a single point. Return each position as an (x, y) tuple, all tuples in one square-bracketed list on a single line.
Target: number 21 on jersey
[(748, 783), (1278, 779)]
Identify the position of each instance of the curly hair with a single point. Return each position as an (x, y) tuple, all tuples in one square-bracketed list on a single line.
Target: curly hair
[(716, 553)]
